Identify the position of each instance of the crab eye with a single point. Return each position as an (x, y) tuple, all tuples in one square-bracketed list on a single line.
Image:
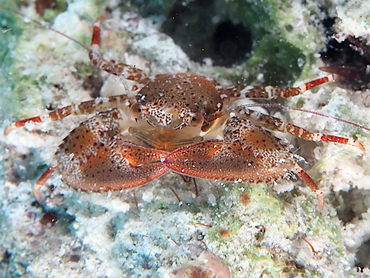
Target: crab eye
[(136, 110), (196, 120)]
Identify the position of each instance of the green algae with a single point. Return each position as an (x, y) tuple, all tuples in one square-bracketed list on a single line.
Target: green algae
[(11, 31), (26, 97), (279, 61)]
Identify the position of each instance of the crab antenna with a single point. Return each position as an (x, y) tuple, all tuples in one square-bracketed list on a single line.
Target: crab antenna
[(45, 25), (307, 111), (92, 49)]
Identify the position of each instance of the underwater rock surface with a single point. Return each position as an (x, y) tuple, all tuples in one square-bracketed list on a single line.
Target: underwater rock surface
[(258, 229)]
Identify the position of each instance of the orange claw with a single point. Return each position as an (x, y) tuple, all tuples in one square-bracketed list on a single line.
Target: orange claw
[(129, 166), (233, 161), (225, 161), (117, 166), (95, 158)]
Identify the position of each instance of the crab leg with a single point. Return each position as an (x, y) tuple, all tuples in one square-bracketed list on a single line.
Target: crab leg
[(86, 107), (248, 153), (112, 66), (312, 185), (41, 182), (276, 124), (270, 92)]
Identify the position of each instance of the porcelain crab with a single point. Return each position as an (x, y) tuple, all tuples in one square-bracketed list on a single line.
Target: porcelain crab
[(181, 122)]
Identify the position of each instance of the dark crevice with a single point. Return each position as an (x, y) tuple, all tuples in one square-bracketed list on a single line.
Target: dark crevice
[(232, 44), (328, 24), (363, 256), (93, 84), (208, 35), (349, 57), (350, 205)]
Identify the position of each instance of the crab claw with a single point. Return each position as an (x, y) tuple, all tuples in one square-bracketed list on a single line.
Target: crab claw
[(225, 161), (233, 161), (116, 166), (94, 157)]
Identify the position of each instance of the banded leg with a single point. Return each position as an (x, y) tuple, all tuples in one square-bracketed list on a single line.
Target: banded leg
[(270, 92), (311, 184), (248, 153), (275, 124), (112, 66), (86, 107)]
